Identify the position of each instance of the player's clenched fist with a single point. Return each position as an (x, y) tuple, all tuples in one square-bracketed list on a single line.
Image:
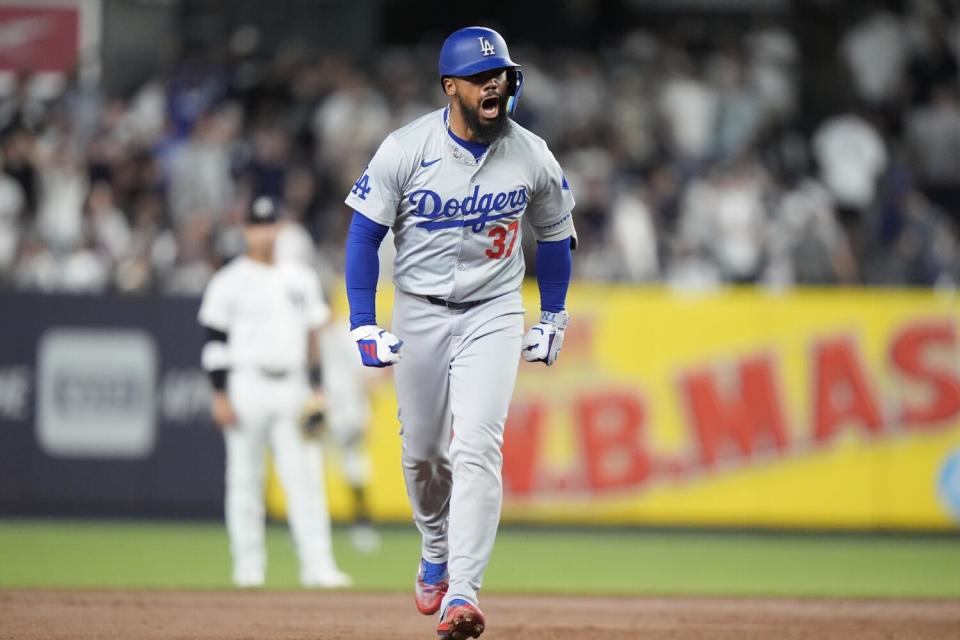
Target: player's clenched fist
[(544, 339), (378, 348)]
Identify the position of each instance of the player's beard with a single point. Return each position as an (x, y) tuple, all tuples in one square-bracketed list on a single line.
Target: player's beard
[(486, 131)]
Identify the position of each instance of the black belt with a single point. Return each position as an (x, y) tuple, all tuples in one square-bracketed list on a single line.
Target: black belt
[(456, 306)]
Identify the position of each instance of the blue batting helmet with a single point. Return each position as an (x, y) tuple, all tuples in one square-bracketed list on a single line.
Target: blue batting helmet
[(474, 50)]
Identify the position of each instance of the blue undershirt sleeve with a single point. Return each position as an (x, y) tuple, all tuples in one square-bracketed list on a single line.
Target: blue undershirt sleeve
[(363, 268), (554, 265)]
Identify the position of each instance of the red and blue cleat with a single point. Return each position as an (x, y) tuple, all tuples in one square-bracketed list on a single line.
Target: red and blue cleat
[(461, 621), (431, 586)]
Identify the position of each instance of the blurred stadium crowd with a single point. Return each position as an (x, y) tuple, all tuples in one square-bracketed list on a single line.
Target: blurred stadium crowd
[(691, 162)]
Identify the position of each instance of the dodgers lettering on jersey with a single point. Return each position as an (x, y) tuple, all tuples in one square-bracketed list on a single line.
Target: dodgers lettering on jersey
[(266, 312), (457, 221), (442, 215)]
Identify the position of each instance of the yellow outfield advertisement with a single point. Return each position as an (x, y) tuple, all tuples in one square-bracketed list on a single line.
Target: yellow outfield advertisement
[(815, 408)]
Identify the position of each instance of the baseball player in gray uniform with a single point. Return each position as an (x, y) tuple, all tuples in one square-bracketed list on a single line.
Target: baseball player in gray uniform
[(453, 186), (262, 321)]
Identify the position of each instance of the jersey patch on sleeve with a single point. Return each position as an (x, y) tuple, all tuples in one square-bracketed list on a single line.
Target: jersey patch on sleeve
[(563, 183), (362, 188)]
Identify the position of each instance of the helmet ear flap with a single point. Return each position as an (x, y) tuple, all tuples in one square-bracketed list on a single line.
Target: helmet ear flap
[(514, 89)]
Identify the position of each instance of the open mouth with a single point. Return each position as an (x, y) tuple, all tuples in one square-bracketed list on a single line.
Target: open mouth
[(490, 107)]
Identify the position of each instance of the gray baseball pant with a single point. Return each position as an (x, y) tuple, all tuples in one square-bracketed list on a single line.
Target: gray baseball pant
[(454, 386)]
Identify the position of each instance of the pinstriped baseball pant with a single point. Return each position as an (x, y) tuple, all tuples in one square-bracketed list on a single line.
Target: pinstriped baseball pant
[(267, 411), (454, 386)]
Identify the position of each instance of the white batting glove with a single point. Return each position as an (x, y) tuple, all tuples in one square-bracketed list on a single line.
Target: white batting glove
[(544, 339), (378, 348)]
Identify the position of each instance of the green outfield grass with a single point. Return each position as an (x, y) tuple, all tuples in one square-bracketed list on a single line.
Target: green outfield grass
[(165, 555)]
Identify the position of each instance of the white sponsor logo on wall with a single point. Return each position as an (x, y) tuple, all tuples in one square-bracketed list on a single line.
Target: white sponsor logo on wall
[(14, 392), (95, 393), (185, 397)]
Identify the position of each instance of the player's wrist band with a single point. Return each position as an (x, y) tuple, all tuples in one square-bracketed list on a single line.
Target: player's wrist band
[(558, 319), (316, 376), (218, 379)]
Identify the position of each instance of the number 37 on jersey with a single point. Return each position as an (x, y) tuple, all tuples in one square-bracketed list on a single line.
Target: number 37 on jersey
[(504, 239)]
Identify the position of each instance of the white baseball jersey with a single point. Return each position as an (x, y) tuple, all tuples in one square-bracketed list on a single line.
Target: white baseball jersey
[(456, 220), (266, 312)]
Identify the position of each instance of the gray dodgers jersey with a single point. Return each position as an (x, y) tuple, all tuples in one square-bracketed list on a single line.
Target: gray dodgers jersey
[(456, 221)]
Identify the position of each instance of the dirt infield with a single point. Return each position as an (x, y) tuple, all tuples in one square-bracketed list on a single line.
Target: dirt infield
[(166, 615)]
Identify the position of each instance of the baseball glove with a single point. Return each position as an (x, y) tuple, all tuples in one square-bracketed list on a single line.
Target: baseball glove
[(313, 417)]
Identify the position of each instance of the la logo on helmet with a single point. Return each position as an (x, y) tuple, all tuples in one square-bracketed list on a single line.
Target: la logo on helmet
[(485, 47)]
